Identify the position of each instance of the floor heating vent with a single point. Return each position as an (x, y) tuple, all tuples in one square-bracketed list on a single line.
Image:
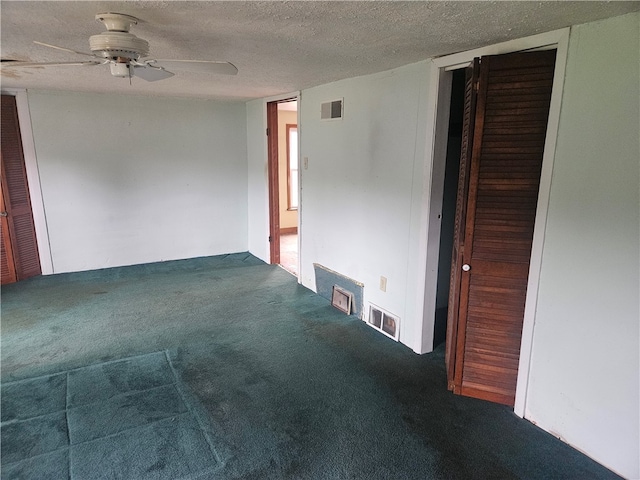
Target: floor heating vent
[(330, 284), (386, 322)]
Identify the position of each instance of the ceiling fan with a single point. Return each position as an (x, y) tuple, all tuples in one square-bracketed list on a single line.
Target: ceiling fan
[(125, 54)]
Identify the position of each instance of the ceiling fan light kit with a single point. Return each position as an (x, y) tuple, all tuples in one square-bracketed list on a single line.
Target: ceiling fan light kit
[(119, 69), (122, 51)]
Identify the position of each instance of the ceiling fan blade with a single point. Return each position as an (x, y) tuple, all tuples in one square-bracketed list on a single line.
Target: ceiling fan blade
[(199, 66), (151, 74), (64, 49), (18, 64)]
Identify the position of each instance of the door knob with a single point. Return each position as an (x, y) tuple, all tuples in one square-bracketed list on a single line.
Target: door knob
[(466, 267), (3, 214)]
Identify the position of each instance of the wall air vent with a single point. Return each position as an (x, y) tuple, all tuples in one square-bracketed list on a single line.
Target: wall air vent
[(331, 110)]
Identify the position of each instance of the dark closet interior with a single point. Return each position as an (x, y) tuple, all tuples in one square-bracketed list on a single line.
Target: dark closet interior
[(452, 168)]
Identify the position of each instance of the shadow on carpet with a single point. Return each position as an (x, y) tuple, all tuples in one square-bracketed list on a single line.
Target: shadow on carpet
[(124, 419)]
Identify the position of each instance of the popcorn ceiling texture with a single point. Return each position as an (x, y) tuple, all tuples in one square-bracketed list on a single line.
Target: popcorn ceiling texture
[(279, 47)]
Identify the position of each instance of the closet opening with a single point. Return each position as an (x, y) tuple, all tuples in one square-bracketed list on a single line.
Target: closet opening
[(452, 169)]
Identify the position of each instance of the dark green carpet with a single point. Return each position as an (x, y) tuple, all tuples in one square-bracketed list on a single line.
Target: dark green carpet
[(226, 368), (122, 419)]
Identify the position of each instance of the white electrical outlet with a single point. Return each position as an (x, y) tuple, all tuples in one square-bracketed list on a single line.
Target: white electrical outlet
[(306, 163), (383, 283)]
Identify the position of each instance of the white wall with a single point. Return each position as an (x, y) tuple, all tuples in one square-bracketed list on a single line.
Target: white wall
[(258, 179), (584, 373), (128, 180), (360, 208)]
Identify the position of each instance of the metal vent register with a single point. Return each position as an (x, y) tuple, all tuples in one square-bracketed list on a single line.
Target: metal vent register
[(331, 110)]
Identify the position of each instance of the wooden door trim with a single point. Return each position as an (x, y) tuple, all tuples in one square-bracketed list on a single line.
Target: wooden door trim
[(274, 192), (290, 126)]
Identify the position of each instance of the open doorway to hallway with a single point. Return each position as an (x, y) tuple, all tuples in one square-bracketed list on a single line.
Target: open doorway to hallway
[(282, 121)]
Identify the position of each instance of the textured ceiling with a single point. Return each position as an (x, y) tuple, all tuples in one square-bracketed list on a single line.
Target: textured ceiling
[(278, 47)]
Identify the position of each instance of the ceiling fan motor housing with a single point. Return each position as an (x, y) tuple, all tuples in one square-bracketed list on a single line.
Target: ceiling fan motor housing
[(117, 42)]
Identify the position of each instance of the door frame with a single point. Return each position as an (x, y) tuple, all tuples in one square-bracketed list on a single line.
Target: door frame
[(273, 182), (438, 99), (33, 179)]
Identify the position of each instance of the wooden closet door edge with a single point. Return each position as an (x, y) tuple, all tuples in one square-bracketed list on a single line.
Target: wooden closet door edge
[(458, 240), (11, 274), (476, 148)]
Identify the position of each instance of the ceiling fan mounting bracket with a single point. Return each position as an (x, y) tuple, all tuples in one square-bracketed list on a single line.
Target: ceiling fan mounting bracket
[(116, 22)]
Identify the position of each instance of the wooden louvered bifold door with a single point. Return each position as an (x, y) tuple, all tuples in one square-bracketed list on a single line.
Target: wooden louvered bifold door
[(20, 248), (514, 93)]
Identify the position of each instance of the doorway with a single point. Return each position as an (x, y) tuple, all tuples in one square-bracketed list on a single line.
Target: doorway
[(283, 162), (452, 169)]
